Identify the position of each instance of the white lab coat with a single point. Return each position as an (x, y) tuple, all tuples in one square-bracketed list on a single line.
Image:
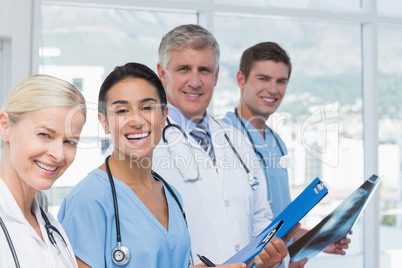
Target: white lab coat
[(30, 249), (223, 212)]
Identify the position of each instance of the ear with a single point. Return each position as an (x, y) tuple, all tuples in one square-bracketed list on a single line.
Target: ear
[(162, 74), (241, 80), (103, 122), (4, 124), (216, 76), (165, 116)]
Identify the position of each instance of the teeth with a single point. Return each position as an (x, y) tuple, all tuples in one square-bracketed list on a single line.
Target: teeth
[(138, 136), (45, 166), (267, 99), (193, 95)]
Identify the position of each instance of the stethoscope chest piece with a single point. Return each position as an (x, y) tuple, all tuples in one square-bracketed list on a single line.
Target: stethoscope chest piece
[(121, 255)]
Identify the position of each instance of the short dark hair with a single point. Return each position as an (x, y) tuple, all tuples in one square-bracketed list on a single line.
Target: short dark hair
[(263, 51), (130, 70)]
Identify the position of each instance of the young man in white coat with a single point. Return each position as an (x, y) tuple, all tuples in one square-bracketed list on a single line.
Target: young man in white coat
[(225, 207)]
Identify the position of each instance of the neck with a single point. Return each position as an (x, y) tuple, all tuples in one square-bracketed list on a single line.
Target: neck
[(257, 121), (131, 171), (22, 192), (177, 114)]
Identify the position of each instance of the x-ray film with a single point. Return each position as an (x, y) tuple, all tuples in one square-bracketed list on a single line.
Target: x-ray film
[(336, 225)]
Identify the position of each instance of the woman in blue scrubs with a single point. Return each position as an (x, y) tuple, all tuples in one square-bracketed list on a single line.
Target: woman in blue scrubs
[(132, 108)]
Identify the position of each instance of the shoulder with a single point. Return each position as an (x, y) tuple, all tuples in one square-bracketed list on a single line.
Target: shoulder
[(88, 194), (276, 135), (94, 185), (230, 119)]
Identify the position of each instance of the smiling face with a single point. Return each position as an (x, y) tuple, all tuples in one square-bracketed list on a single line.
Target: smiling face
[(134, 117), (189, 79), (42, 144), (264, 89)]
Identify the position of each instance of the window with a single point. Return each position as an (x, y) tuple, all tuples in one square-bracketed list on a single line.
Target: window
[(82, 45), (392, 8), (390, 139), (320, 118), (78, 82), (344, 5)]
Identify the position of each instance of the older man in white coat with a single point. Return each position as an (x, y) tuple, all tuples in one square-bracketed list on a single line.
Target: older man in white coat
[(224, 206)]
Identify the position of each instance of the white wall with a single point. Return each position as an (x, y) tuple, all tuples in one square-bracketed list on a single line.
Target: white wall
[(15, 32)]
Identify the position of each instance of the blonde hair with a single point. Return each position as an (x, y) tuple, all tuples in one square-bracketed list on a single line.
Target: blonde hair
[(42, 91)]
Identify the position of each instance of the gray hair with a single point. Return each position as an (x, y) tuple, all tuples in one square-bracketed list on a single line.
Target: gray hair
[(186, 36)]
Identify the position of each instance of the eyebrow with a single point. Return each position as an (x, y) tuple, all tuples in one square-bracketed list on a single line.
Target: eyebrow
[(267, 76), (183, 66), (118, 102), (76, 137), (148, 99), (126, 102), (47, 128)]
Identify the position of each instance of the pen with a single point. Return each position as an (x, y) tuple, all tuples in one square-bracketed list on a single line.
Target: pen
[(205, 260)]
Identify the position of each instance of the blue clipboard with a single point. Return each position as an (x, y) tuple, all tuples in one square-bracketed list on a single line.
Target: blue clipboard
[(289, 217), (296, 210), (257, 245)]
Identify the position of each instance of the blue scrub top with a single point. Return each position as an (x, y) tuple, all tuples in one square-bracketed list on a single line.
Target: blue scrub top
[(276, 176), (87, 215)]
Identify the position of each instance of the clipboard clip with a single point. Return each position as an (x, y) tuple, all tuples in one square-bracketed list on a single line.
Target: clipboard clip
[(271, 234), (318, 188)]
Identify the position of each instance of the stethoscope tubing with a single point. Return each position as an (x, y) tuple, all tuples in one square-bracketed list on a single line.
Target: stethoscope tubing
[(10, 243), (253, 181), (115, 203), (49, 229), (251, 139), (270, 201)]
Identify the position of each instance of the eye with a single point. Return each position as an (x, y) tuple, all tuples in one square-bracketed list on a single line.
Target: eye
[(45, 135), (183, 69), (71, 142), (206, 70), (148, 108), (121, 111), (283, 82)]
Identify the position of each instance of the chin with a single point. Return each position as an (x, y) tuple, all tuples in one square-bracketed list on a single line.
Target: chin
[(46, 185)]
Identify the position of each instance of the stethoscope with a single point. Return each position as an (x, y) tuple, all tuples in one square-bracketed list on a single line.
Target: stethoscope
[(51, 231), (121, 254), (282, 162), (253, 181)]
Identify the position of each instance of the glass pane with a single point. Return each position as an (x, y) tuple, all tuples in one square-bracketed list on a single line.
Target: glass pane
[(82, 45), (320, 118), (390, 138), (341, 5), (391, 8)]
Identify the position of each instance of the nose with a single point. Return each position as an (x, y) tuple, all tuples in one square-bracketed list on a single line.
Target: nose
[(195, 79), (272, 87), (135, 121), (56, 150)]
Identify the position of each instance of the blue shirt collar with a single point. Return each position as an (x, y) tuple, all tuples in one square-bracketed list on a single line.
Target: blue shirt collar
[(187, 124)]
